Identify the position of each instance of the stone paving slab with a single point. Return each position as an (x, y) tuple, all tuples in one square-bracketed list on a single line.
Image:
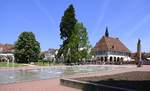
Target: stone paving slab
[(42, 85)]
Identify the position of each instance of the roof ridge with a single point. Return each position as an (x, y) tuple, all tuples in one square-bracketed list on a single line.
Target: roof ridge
[(111, 44)]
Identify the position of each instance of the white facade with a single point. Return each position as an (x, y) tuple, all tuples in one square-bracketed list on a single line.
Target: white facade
[(7, 57), (111, 58), (50, 55)]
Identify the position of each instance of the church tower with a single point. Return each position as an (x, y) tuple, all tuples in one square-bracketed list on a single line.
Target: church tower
[(106, 32)]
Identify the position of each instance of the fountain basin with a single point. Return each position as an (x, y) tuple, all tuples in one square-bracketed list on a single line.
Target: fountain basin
[(22, 75)]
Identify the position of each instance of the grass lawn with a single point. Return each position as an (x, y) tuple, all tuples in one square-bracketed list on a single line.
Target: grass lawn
[(39, 63), (42, 63), (46, 63), (4, 64)]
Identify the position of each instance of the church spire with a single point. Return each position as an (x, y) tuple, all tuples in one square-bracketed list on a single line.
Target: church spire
[(106, 32)]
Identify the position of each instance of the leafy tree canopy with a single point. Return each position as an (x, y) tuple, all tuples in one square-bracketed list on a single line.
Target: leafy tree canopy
[(27, 49), (75, 45)]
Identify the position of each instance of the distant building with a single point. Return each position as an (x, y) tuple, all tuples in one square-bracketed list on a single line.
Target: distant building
[(6, 48), (145, 56), (6, 52), (50, 54), (109, 49)]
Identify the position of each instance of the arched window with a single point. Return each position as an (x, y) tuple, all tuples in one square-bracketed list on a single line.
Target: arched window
[(114, 59), (105, 59), (118, 59), (121, 59), (102, 59), (110, 59)]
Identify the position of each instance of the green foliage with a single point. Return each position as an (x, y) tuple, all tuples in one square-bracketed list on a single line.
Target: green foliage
[(79, 44), (84, 48), (41, 56), (67, 24), (43, 63), (75, 45), (5, 64), (27, 49)]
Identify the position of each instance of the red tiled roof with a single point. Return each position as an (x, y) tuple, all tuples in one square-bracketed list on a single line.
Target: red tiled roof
[(6, 47), (110, 44)]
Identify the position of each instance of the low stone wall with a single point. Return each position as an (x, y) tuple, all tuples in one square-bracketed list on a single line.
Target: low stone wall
[(87, 86)]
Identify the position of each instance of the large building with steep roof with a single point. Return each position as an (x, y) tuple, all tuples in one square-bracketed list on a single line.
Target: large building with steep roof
[(109, 49)]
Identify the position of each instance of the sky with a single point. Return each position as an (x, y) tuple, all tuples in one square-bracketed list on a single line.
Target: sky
[(126, 19)]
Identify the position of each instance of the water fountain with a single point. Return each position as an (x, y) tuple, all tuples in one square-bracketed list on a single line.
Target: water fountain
[(11, 76), (7, 61)]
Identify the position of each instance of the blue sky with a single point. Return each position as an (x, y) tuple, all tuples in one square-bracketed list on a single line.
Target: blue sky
[(126, 19)]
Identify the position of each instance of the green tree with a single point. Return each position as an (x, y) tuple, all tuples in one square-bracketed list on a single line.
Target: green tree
[(75, 45), (84, 47), (27, 49), (41, 55), (67, 24)]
